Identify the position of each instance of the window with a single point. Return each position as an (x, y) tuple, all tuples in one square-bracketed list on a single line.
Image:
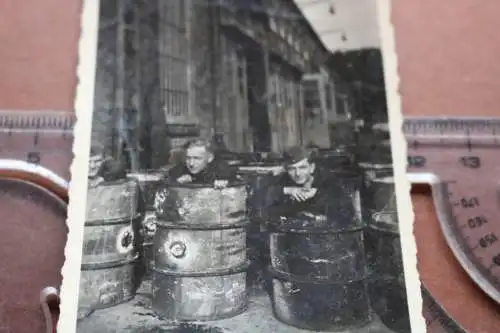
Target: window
[(328, 96), (342, 104), (173, 59), (272, 23), (311, 94)]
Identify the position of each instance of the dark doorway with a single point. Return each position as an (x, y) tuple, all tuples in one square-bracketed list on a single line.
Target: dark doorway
[(257, 98)]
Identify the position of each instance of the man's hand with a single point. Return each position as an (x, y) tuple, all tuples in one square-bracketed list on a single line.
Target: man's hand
[(300, 194), (296, 193), (184, 179), (220, 184)]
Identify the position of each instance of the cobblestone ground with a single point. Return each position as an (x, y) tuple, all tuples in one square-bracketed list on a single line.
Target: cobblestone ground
[(136, 316)]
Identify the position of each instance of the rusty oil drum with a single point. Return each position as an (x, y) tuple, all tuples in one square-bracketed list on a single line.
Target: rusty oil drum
[(149, 183), (320, 305), (335, 159), (109, 246), (200, 260), (261, 180), (384, 255), (373, 163), (318, 264)]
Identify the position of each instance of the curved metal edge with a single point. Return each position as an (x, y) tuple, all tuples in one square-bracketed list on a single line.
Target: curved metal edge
[(444, 319), (45, 296), (39, 171), (34, 169), (442, 210)]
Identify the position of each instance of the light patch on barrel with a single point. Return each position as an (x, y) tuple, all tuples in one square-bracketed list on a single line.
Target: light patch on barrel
[(282, 305), (159, 200), (191, 253), (111, 201), (125, 240), (384, 217), (357, 204)]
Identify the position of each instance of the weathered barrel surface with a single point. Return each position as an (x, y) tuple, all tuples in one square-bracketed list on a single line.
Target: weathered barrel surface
[(383, 244), (335, 159), (313, 248), (323, 246), (261, 181), (109, 233), (109, 246), (199, 205), (260, 178), (196, 250), (200, 298), (200, 252), (149, 183), (320, 305), (200, 229), (384, 255), (107, 285), (148, 230)]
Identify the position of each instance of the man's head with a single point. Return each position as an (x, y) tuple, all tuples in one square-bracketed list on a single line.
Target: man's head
[(299, 165), (199, 153), (96, 160)]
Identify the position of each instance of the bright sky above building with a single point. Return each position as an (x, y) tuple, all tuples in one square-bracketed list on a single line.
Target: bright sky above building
[(356, 20)]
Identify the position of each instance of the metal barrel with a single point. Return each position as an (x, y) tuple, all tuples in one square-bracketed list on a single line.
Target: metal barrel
[(200, 259), (373, 163), (261, 179), (110, 248), (149, 182), (384, 255), (320, 305), (335, 159), (322, 256)]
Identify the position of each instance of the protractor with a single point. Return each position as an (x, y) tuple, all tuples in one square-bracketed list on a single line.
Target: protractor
[(35, 159), (458, 158)]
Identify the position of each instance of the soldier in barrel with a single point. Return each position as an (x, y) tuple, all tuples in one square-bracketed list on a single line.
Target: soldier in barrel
[(200, 166), (103, 168), (305, 188)]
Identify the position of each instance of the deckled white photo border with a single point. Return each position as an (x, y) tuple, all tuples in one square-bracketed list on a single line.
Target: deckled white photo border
[(84, 103), (399, 158)]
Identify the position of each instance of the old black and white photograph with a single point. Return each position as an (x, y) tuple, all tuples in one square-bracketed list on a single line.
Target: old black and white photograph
[(240, 175)]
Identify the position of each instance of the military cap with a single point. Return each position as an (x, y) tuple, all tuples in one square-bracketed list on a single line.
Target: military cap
[(296, 154)]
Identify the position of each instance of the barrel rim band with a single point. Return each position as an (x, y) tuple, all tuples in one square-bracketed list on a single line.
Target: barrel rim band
[(239, 224), (231, 185), (383, 227), (230, 271), (377, 166), (276, 229), (276, 274), (120, 181), (115, 221), (109, 264)]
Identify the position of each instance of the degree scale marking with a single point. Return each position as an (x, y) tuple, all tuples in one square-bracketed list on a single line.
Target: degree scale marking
[(458, 157)]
